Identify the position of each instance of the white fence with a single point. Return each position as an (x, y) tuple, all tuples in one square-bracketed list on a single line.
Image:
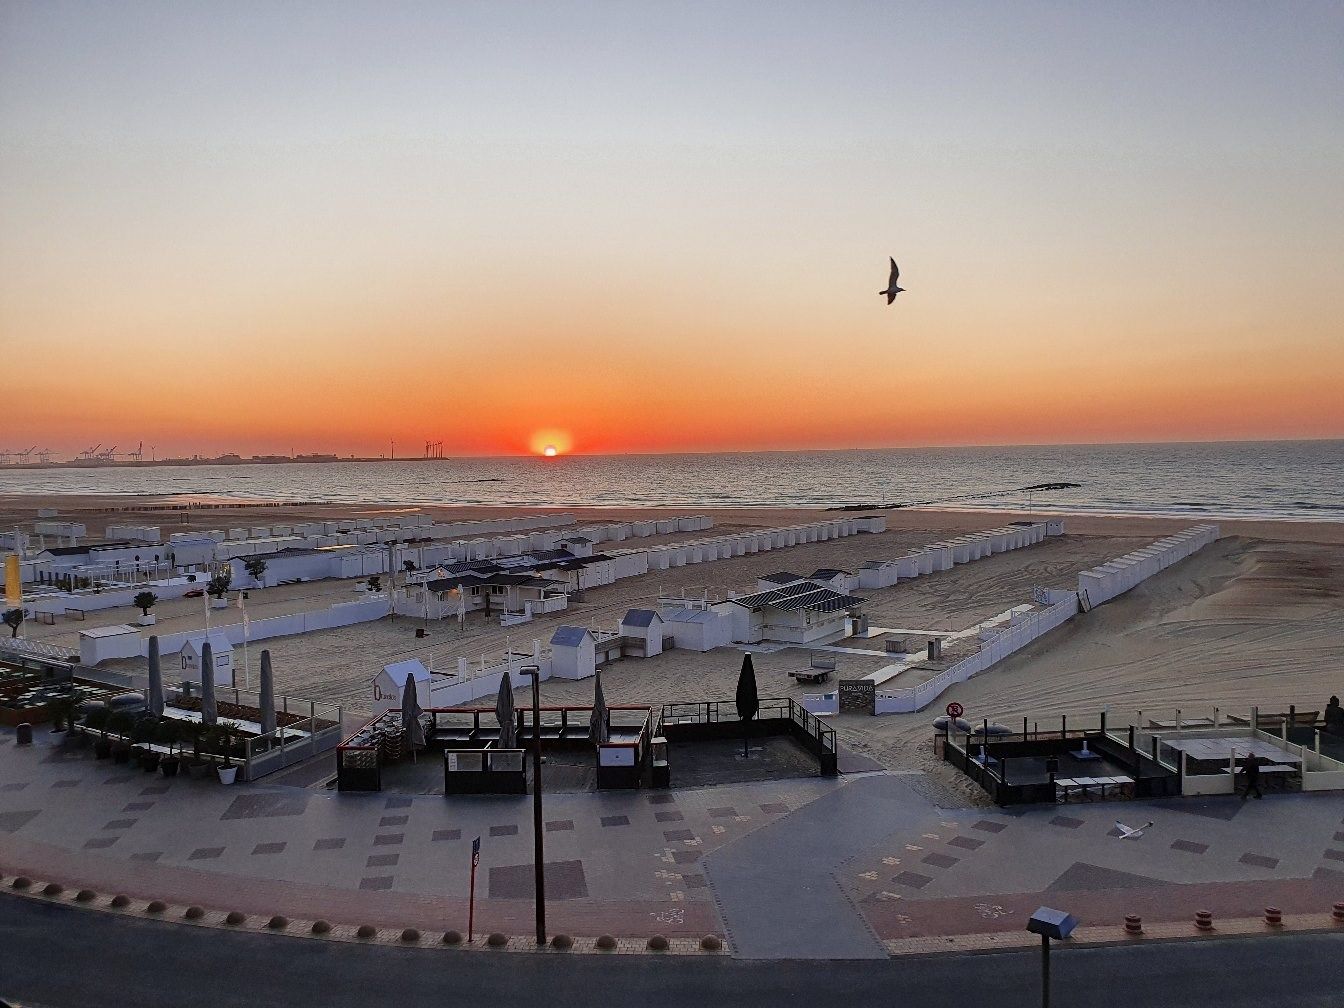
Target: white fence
[(994, 648), (1106, 581)]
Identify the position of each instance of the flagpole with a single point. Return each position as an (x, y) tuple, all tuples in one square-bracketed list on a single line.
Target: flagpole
[(247, 674)]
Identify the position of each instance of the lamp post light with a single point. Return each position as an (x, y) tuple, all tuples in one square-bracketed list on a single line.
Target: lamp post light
[(1049, 924), (533, 672)]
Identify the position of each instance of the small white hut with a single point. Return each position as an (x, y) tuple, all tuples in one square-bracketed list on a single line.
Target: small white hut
[(389, 684), (573, 653), (223, 656), (643, 630)]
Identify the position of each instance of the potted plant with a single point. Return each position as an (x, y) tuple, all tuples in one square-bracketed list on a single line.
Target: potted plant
[(96, 721), (228, 773), (200, 736), (256, 570), (167, 735), (218, 589), (120, 725), (375, 584), (145, 601)]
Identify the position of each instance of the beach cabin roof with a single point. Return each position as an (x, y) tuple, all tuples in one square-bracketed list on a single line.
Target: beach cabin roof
[(781, 578), (690, 616), (120, 630), (570, 636), (876, 564), (804, 595), (217, 639), (577, 539), (826, 573), (399, 671), (640, 618)]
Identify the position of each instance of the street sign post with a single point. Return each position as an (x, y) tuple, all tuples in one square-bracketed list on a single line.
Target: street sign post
[(955, 710), (471, 903)]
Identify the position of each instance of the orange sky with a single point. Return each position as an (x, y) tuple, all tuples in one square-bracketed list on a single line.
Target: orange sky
[(657, 233)]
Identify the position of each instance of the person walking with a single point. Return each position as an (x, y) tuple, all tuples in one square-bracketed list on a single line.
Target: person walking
[(1251, 767)]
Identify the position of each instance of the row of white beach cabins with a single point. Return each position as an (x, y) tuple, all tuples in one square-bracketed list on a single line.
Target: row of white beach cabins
[(1095, 586), (941, 556)]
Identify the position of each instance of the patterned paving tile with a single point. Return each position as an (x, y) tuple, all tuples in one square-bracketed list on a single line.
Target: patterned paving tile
[(152, 855), (1259, 860), (1083, 877), (940, 860), (155, 789), (398, 802), (99, 843), (377, 882), (120, 824), (661, 799), (560, 826), (65, 784), (382, 860), (775, 808), (676, 835), (694, 881), (912, 879), (503, 830), (137, 806), (14, 786), (1068, 822), (388, 839), (265, 805), (564, 881), (685, 856), (205, 853), (446, 834), (270, 848), (121, 778), (615, 820), (330, 843), (985, 826), (393, 820), (723, 813), (1339, 837), (1189, 846), (966, 843), (1334, 855), (1328, 875), (669, 817), (12, 822)]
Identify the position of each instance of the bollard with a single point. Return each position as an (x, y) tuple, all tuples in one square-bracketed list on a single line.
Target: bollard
[(1204, 920), (1338, 913), (24, 734), (1273, 917), (1133, 924)]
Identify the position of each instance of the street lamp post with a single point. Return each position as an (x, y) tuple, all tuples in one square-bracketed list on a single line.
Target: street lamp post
[(1049, 924), (533, 672)]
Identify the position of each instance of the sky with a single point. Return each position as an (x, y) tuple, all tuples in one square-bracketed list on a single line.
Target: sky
[(632, 227)]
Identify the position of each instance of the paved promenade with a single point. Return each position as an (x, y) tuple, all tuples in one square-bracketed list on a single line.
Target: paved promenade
[(802, 868)]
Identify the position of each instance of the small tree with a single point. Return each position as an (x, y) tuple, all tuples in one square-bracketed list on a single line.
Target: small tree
[(375, 584), (255, 567), (220, 584), (408, 566), (145, 601), (13, 619)]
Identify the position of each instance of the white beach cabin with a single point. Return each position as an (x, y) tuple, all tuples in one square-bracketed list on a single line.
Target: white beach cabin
[(190, 658), (389, 684), (643, 631), (573, 653)]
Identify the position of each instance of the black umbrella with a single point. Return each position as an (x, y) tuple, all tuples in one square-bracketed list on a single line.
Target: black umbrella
[(410, 715), (504, 713), (599, 727), (748, 702)]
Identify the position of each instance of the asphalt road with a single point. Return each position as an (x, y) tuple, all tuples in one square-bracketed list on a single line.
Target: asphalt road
[(60, 957)]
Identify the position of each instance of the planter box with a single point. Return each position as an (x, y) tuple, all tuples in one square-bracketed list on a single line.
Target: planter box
[(219, 603), (148, 620)]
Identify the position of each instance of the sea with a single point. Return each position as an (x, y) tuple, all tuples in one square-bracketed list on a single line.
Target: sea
[(1286, 480)]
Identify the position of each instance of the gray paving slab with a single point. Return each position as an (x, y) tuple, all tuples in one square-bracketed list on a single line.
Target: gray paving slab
[(776, 887)]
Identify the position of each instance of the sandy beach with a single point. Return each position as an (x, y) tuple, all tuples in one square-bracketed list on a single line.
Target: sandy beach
[(1255, 618)]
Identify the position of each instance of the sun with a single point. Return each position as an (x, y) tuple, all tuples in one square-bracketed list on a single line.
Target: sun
[(550, 442)]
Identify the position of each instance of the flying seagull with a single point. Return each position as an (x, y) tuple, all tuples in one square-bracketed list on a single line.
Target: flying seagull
[(1128, 833), (892, 290)]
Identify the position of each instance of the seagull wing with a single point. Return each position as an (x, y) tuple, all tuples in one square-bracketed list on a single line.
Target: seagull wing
[(895, 273), (891, 296)]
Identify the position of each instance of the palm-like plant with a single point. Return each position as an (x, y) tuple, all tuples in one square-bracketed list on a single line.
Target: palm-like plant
[(255, 567), (145, 601), (375, 584), (220, 584)]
